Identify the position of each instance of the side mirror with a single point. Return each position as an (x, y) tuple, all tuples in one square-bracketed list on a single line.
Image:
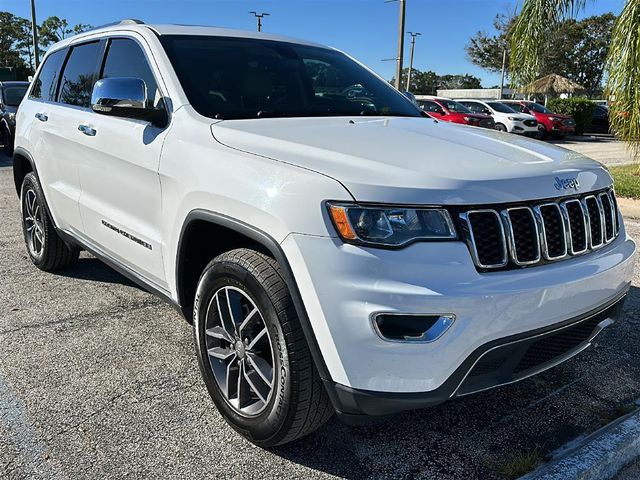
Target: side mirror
[(125, 97), (487, 111)]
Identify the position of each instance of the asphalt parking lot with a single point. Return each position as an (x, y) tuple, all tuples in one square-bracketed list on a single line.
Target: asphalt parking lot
[(98, 379)]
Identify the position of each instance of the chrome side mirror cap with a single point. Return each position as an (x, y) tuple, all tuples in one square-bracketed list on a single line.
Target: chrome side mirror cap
[(125, 97)]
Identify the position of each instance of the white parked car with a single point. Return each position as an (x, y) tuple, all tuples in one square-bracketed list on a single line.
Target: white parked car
[(506, 118), (336, 250)]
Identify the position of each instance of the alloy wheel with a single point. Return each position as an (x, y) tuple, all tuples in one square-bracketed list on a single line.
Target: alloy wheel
[(240, 351), (33, 223)]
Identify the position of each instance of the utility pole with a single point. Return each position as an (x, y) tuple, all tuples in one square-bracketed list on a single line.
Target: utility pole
[(504, 66), (259, 16), (400, 56), (413, 46), (34, 33)]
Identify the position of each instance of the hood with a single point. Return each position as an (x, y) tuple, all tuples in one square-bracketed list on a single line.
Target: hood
[(521, 116), (416, 160)]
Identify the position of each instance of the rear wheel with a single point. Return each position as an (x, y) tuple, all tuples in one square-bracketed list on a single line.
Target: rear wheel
[(46, 249), (252, 353)]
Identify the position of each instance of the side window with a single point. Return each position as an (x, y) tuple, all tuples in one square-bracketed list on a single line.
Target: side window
[(80, 75), (125, 58), (44, 87), (431, 107), (474, 107)]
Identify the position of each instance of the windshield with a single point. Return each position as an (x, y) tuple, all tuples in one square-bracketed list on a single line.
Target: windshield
[(501, 107), (454, 106), (14, 95), (234, 78), (536, 107)]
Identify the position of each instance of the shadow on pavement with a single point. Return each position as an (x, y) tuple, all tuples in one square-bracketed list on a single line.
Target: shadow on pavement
[(93, 269)]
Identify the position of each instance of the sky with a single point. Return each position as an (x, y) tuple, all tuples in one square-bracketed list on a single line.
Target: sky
[(366, 29)]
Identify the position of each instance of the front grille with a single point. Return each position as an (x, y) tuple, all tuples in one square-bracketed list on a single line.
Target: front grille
[(530, 123), (526, 235)]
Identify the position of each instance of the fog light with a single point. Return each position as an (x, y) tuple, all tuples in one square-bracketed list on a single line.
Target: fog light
[(412, 328)]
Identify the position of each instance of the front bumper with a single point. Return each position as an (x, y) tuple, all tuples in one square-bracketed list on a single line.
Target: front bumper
[(494, 364), (344, 286)]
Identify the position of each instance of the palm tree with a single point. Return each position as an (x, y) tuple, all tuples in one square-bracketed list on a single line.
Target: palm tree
[(623, 64)]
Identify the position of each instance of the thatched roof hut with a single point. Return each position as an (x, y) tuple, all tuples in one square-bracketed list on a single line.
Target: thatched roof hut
[(553, 84)]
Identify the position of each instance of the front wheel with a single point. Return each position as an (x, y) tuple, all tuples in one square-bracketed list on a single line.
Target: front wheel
[(500, 127), (252, 352)]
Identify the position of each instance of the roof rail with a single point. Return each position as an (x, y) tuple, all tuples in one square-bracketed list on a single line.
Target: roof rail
[(126, 21)]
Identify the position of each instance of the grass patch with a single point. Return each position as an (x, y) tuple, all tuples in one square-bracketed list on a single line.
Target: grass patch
[(521, 464), (627, 180)]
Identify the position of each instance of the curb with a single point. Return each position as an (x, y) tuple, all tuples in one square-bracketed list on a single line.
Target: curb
[(599, 456), (630, 208)]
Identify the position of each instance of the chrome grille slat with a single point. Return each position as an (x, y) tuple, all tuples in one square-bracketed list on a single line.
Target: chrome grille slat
[(523, 236)]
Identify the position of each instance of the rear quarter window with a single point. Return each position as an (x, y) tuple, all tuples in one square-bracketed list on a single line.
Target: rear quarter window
[(45, 85)]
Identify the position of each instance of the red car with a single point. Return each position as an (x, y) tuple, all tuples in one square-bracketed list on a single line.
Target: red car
[(454, 112), (549, 123)]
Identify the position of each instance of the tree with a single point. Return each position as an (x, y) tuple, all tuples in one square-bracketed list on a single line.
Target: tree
[(623, 57), (574, 49), (486, 50), (11, 48), (54, 29), (453, 82), (428, 83)]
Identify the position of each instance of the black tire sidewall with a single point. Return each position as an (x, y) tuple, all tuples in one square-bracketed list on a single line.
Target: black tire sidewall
[(31, 182), (265, 427)]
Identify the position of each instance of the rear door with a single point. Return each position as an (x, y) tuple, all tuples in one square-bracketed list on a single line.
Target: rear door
[(44, 131), (120, 203)]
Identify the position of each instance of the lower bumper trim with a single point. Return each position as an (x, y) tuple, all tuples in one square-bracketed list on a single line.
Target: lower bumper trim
[(494, 364)]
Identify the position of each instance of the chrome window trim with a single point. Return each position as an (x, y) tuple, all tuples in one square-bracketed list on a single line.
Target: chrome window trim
[(511, 241), (471, 240), (537, 210)]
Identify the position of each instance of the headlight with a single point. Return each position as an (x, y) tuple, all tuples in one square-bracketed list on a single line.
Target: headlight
[(514, 119), (390, 226), (554, 119)]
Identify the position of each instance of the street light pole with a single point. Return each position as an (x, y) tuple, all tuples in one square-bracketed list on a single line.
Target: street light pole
[(413, 46), (504, 65), (34, 33), (259, 16)]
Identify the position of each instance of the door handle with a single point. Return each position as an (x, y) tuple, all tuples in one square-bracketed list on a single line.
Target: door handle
[(42, 117), (87, 130)]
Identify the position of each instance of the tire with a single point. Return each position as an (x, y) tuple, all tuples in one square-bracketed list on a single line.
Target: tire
[(542, 132), (46, 249), (284, 402), (500, 127)]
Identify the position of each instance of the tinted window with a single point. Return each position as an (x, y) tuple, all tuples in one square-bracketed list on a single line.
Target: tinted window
[(12, 96), (429, 106), (501, 107), (254, 78), (45, 85), (125, 58), (474, 107), (80, 75), (517, 107), (536, 107), (454, 106)]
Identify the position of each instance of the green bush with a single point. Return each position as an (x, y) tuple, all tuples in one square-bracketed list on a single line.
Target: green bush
[(581, 109)]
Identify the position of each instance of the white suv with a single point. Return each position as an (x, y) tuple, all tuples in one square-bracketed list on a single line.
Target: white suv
[(336, 250), (506, 118)]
